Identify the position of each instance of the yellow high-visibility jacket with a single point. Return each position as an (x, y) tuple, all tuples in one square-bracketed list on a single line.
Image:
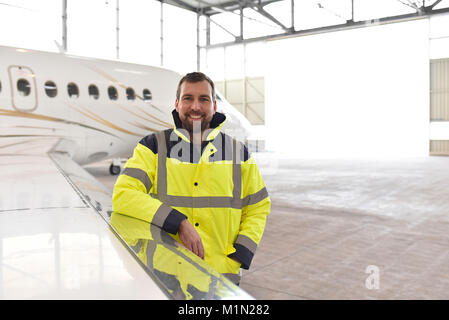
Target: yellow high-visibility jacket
[(219, 189)]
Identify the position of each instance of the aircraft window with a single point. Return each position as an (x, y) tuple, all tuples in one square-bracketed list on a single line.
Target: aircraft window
[(130, 95), (72, 90), (23, 86), (147, 97), (113, 94), (93, 91), (50, 89)]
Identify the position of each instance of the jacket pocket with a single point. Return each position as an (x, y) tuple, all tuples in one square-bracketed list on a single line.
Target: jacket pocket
[(232, 266)]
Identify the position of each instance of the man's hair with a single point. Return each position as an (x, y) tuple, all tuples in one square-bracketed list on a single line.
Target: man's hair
[(193, 77)]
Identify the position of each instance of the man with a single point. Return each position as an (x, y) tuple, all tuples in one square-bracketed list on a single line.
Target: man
[(197, 183)]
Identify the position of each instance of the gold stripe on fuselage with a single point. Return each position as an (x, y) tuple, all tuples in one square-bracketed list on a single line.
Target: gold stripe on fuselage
[(144, 127), (13, 113), (166, 124), (144, 118), (99, 119)]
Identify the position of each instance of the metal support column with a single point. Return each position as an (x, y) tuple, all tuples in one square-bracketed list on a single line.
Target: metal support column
[(207, 40), (162, 32), (117, 29), (245, 88), (208, 31), (198, 53), (352, 10), (64, 25), (292, 7), (241, 22)]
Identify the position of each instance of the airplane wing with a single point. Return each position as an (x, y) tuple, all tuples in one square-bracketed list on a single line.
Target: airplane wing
[(57, 241)]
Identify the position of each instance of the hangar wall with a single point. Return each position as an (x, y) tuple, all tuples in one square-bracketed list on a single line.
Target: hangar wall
[(439, 85), (247, 95), (356, 93), (413, 46)]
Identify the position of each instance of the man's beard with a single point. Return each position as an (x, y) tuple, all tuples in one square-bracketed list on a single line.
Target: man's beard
[(196, 126)]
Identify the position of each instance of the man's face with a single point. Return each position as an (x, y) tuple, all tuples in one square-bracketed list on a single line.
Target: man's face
[(195, 104)]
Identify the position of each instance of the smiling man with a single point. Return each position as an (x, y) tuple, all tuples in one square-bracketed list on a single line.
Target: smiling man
[(197, 183)]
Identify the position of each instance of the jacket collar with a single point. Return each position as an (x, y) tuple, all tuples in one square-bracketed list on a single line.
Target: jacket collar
[(216, 123)]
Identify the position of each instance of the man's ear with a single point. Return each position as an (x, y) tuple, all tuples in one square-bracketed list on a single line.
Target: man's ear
[(176, 104), (215, 105)]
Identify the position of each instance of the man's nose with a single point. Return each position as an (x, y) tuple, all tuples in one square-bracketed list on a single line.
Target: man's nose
[(196, 105)]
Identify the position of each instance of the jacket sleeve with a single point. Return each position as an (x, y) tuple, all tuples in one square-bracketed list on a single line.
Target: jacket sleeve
[(256, 207), (132, 195)]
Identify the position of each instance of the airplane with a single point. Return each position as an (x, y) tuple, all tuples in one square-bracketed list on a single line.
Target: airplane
[(57, 113)]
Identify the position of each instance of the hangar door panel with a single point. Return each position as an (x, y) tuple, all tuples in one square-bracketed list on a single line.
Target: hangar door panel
[(439, 90), (439, 103), (247, 95)]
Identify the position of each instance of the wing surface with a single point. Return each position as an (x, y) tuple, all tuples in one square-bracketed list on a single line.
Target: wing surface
[(57, 241)]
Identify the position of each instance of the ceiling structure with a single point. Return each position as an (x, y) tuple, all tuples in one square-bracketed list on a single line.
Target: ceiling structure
[(413, 9), (211, 7)]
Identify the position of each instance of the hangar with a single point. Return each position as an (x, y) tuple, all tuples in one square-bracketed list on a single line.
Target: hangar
[(347, 108)]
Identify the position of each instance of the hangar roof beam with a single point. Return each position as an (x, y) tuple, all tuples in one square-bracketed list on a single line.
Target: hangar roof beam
[(209, 8)]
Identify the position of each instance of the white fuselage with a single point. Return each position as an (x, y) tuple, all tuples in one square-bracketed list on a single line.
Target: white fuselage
[(49, 95)]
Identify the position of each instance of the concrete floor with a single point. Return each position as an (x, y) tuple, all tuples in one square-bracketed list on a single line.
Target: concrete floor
[(350, 229)]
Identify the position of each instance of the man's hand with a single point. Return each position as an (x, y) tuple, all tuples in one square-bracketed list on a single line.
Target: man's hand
[(191, 239)]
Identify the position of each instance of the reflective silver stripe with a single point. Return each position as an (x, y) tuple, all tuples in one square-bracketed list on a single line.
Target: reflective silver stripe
[(236, 171), (199, 202), (233, 277), (161, 214), (140, 175), (246, 242), (255, 197), (136, 248), (161, 163), (211, 202)]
